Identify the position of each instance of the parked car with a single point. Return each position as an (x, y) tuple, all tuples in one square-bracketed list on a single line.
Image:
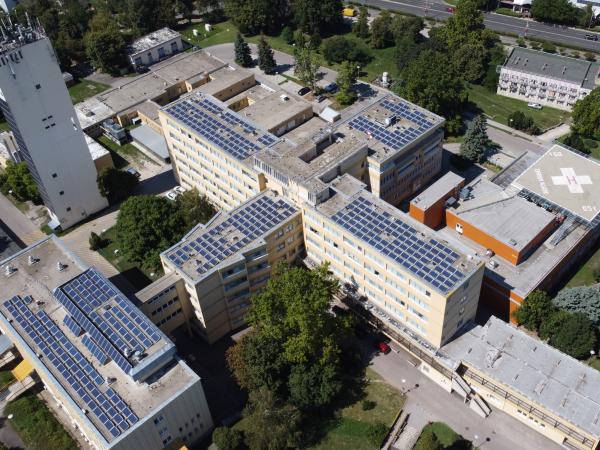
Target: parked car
[(534, 105), (133, 172), (303, 91), (591, 37), (331, 88), (383, 347), (320, 98), (179, 189)]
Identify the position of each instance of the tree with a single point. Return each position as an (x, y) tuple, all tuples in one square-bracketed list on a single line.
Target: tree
[(534, 310), (381, 31), (520, 121), (318, 16), (575, 336), (428, 441), (147, 225), (243, 56), (257, 16), (313, 385), (228, 438), (431, 82), (586, 115), (106, 49), (346, 79), (185, 8), (116, 184), (476, 142), (95, 241), (361, 26), (552, 322), (20, 182), (337, 49), (406, 50), (195, 208), (270, 423), (407, 27), (307, 65), (470, 61), (575, 141), (287, 34), (581, 299), (266, 61), (556, 11)]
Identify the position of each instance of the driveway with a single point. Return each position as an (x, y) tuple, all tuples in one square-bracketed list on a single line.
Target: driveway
[(427, 402)]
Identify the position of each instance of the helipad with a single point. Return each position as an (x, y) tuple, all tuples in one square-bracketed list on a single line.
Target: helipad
[(566, 179)]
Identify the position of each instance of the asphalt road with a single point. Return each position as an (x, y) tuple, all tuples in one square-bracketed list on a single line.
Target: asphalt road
[(497, 22)]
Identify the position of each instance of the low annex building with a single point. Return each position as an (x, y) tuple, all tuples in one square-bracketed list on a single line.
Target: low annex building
[(154, 47)]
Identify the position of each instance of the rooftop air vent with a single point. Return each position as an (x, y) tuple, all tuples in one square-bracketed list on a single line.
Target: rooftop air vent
[(9, 270), (60, 266)]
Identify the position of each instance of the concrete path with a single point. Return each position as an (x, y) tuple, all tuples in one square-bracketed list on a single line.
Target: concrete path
[(18, 223), (555, 133)]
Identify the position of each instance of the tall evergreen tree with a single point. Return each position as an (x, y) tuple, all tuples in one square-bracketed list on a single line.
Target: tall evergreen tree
[(361, 27), (476, 140), (242, 51), (266, 61)]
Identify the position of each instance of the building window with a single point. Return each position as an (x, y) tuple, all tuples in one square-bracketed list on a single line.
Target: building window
[(61, 193), (38, 86), (54, 175), (68, 208)]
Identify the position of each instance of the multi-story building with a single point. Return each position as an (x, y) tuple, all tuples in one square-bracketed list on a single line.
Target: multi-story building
[(111, 371), (227, 260), (38, 108), (8, 5), (154, 47), (550, 80)]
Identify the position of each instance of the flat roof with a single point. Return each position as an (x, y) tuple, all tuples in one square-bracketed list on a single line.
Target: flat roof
[(506, 217), (390, 125), (79, 330), (547, 377), (573, 70), (97, 150), (215, 122), (566, 179), (437, 190), (144, 87), (150, 139), (228, 235), (276, 108), (395, 235), (152, 40)]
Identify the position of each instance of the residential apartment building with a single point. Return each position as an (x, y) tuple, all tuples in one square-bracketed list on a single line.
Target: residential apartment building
[(38, 108), (111, 371), (154, 47), (548, 79)]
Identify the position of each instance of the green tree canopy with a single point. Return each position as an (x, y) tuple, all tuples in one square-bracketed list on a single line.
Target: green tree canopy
[(19, 181), (431, 82), (106, 49), (534, 310), (407, 26), (581, 299), (381, 31), (556, 11), (266, 60), (470, 60), (361, 26), (586, 115), (346, 79), (318, 16), (116, 184), (194, 208), (243, 56), (476, 142), (575, 141), (147, 225), (257, 16), (337, 49), (307, 65), (574, 335), (228, 438)]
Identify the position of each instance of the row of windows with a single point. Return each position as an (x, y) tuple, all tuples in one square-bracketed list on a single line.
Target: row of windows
[(164, 306), (175, 313), (160, 294)]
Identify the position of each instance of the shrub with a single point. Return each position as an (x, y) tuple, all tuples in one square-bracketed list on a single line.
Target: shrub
[(227, 438), (589, 56), (583, 299), (548, 47), (376, 433), (521, 42), (534, 311), (337, 49), (575, 141), (367, 405), (575, 55), (520, 121), (96, 242), (596, 274), (574, 335), (287, 34)]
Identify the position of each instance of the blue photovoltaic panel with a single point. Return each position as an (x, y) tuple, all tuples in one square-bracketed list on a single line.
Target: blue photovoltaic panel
[(399, 136), (75, 370), (94, 350), (72, 325), (252, 220), (219, 125), (430, 260)]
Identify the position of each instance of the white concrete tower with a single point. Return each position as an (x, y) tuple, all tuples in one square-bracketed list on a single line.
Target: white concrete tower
[(37, 106)]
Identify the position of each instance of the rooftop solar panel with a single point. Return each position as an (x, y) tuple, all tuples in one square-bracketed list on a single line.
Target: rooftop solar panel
[(398, 241)]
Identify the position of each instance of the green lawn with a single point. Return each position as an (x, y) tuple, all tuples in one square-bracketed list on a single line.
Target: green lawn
[(6, 378), (498, 108), (138, 276), (594, 362), (585, 274), (350, 430), (123, 155), (221, 33), (36, 425), (445, 435), (85, 89)]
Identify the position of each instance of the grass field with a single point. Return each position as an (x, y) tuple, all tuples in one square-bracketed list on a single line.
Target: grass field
[(498, 108), (585, 274), (85, 89), (36, 425), (123, 155), (350, 429), (138, 276), (6, 378), (445, 435)]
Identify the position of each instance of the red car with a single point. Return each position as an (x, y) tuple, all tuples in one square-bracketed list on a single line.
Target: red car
[(383, 348), (450, 10)]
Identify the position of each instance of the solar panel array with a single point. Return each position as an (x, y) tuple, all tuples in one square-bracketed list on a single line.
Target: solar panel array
[(429, 260), (77, 373), (252, 221), (399, 136), (193, 113)]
